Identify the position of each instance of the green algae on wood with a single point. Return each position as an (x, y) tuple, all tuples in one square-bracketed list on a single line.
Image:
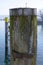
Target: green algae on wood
[(24, 29), (22, 23), (34, 44)]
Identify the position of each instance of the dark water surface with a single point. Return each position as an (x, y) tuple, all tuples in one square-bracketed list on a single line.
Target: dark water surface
[(39, 44)]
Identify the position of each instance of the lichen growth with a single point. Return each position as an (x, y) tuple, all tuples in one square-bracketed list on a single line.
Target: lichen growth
[(22, 23), (11, 31), (11, 22)]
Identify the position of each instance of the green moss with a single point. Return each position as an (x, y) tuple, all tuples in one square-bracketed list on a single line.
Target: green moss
[(12, 19), (22, 23), (11, 22), (11, 29)]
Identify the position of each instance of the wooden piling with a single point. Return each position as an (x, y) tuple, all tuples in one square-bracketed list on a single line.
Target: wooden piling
[(23, 36), (6, 39)]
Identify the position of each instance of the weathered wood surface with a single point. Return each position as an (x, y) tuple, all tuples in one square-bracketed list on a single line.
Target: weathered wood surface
[(21, 55), (23, 39)]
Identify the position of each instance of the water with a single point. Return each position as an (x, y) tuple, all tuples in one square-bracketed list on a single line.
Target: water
[(2, 44), (39, 44)]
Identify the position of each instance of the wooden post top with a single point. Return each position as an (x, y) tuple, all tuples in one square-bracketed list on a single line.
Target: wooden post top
[(23, 11)]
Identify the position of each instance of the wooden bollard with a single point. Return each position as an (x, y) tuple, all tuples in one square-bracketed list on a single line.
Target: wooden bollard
[(23, 36), (6, 39)]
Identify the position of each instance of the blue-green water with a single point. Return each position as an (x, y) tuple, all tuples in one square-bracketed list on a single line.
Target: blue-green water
[(2, 44), (39, 44)]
